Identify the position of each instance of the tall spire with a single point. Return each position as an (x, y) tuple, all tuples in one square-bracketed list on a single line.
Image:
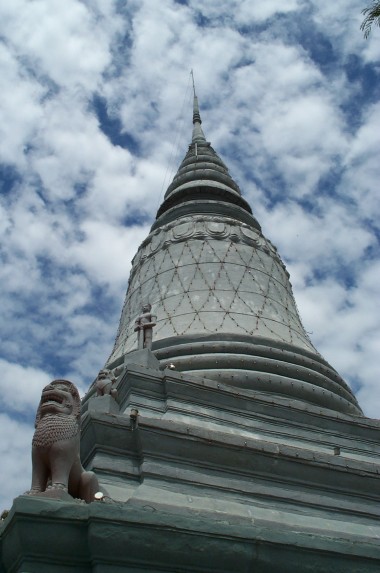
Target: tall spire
[(198, 135), (202, 176), (224, 304)]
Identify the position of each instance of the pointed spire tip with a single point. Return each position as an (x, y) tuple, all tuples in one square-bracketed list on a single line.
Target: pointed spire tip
[(198, 135), (196, 113)]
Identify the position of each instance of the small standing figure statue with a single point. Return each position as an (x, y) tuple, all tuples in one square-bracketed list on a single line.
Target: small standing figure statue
[(144, 327)]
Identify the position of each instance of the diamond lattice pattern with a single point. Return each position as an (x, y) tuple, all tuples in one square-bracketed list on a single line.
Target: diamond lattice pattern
[(210, 285)]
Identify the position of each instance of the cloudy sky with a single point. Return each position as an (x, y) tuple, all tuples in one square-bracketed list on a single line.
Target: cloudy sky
[(95, 116)]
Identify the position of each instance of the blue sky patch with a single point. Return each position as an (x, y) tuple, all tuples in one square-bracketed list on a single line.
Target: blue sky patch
[(112, 127)]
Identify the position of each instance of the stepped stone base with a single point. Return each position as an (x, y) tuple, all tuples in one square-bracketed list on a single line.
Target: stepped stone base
[(208, 478), (152, 537)]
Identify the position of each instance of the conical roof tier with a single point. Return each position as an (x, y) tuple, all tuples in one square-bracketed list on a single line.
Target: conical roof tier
[(221, 294)]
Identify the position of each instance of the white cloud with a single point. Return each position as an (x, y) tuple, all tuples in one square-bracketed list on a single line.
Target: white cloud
[(107, 250), (20, 108), (325, 241), (21, 386), (15, 451), (66, 41), (361, 178)]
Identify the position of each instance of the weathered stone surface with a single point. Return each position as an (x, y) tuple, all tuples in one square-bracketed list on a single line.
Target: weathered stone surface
[(103, 404), (258, 463), (151, 536)]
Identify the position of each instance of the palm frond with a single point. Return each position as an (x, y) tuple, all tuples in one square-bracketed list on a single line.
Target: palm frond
[(372, 16)]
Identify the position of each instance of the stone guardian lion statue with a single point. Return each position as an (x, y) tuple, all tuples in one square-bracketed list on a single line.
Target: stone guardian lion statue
[(55, 447)]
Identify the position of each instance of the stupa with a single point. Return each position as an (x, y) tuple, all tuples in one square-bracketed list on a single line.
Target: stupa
[(223, 440)]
